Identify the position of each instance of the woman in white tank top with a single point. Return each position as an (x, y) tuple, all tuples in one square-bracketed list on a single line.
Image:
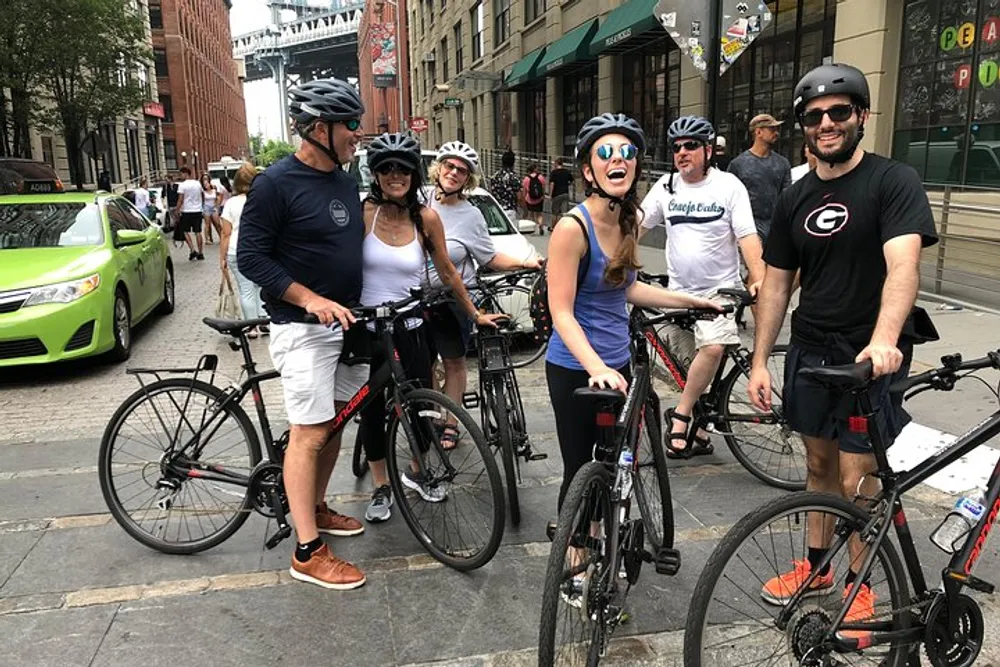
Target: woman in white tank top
[(399, 234)]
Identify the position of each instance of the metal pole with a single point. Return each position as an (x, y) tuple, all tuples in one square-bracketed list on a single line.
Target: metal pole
[(714, 56), (943, 242), (399, 67)]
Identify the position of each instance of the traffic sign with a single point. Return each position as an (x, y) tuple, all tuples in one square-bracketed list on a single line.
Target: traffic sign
[(418, 124), (452, 102)]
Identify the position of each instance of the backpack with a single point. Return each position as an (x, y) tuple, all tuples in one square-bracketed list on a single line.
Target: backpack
[(538, 301), (535, 188)]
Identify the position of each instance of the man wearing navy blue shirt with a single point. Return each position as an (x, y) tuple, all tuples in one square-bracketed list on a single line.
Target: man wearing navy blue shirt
[(301, 235)]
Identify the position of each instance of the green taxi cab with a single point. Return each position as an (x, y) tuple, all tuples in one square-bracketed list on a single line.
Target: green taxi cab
[(77, 272)]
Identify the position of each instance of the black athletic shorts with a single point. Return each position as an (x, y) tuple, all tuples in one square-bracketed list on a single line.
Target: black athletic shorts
[(815, 410), (191, 222), (449, 331)]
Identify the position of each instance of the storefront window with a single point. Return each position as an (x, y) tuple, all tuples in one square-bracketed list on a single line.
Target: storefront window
[(651, 84), (947, 123), (533, 119), (762, 80), (580, 104)]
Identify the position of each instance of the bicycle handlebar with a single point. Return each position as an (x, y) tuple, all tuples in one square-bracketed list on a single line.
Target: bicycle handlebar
[(491, 278), (391, 310), (680, 314), (944, 378)]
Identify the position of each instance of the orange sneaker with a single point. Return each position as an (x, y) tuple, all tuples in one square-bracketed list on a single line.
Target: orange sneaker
[(326, 570), (781, 589), (335, 523), (862, 610)]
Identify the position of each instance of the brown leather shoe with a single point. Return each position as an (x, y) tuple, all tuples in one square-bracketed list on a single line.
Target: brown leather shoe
[(326, 570), (335, 523)]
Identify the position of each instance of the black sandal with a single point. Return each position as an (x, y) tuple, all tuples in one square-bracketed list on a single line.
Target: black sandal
[(700, 446)]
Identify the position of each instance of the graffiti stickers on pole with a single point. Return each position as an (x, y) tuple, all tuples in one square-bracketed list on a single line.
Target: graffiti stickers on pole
[(383, 37)]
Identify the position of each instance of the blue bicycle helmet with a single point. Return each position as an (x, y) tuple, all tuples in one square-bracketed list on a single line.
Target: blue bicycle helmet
[(608, 123)]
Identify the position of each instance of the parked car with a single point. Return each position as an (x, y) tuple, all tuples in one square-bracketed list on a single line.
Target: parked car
[(28, 176), (77, 272)]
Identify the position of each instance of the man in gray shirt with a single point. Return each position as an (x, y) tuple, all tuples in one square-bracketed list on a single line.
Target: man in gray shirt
[(764, 172)]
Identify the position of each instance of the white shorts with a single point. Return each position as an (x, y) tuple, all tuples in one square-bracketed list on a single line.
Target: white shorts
[(685, 344), (312, 377)]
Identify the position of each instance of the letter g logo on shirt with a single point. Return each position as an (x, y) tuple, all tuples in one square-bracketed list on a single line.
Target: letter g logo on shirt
[(339, 213), (827, 220)]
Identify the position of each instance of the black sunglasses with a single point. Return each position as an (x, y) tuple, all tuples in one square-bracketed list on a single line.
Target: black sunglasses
[(389, 167), (838, 113), (687, 145)]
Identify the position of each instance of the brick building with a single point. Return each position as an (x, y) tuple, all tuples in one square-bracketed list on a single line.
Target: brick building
[(199, 85), (382, 109)]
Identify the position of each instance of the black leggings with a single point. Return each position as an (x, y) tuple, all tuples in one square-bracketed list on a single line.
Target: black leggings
[(576, 421), (412, 348)]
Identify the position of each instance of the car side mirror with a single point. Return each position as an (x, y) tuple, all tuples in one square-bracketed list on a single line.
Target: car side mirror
[(127, 237), (526, 226)]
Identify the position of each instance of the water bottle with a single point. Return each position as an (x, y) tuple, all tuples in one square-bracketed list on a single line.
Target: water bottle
[(625, 461), (950, 535)]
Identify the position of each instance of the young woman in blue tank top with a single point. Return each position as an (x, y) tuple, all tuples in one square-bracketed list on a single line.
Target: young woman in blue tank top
[(400, 234), (590, 344)]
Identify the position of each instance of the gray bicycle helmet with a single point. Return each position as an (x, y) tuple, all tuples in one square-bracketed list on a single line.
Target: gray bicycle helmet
[(400, 148), (326, 99), (608, 123), (835, 79), (691, 127)]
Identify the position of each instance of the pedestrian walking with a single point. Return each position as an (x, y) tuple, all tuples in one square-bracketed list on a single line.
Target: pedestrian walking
[(764, 172)]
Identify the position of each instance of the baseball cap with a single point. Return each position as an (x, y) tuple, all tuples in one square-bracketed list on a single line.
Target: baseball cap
[(764, 120)]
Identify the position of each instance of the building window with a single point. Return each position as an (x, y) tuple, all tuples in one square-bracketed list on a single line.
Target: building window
[(444, 59), (168, 108), (477, 19), (457, 34), (155, 17), (533, 9), (947, 123), (651, 92), (48, 152), (160, 60), (533, 120), (502, 119), (579, 104), (501, 31)]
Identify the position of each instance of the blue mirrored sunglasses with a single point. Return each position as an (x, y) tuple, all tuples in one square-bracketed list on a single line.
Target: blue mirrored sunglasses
[(627, 151)]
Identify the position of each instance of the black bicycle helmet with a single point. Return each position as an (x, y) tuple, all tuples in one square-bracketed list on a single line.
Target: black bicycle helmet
[(326, 99), (691, 127), (400, 148), (835, 79), (608, 123)]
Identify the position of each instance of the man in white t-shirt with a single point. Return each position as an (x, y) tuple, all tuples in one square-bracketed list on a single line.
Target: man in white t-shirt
[(189, 196), (708, 221)]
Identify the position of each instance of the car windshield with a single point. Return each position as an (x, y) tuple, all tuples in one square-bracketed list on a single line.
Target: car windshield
[(496, 219), (50, 225)]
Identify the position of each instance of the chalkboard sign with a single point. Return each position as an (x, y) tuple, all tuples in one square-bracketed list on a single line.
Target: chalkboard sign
[(952, 82), (920, 32), (915, 85)]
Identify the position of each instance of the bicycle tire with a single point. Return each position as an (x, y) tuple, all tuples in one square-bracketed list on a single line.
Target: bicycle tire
[(595, 476), (359, 459), (497, 402), (106, 468), (750, 525), (658, 521), (485, 552), (741, 448), (520, 317)]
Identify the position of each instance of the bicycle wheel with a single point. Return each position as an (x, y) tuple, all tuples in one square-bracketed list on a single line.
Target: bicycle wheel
[(498, 419), (573, 629), (147, 490), (729, 622), (359, 460), (515, 301), (463, 530), (651, 482), (763, 443)]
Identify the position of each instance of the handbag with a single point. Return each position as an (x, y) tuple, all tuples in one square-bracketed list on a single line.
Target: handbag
[(227, 306)]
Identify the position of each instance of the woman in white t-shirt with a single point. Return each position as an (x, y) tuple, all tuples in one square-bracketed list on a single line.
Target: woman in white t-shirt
[(231, 212)]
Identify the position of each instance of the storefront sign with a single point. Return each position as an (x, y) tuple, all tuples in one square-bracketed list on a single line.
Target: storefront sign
[(991, 30), (154, 109), (740, 23), (618, 37), (989, 72), (961, 36), (383, 53), (963, 76), (555, 64), (418, 124)]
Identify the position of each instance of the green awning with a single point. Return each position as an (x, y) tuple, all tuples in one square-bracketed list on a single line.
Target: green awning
[(525, 69), (624, 24), (572, 47)]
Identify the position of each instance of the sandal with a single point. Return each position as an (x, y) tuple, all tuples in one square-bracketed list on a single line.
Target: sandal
[(700, 446), (449, 437)]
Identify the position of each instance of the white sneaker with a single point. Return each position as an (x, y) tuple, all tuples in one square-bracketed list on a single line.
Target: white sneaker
[(416, 481)]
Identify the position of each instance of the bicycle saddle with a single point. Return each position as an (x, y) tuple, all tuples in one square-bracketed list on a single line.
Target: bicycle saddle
[(740, 295), (234, 327), (849, 376), (600, 395)]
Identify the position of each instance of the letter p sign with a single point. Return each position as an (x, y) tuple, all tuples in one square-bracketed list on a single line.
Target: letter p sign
[(963, 77)]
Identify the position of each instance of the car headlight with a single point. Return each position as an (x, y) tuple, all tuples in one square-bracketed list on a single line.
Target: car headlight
[(70, 290)]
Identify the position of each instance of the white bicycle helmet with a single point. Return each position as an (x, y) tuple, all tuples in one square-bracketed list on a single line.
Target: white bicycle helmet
[(462, 151)]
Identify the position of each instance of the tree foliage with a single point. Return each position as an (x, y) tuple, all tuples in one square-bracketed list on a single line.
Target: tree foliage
[(272, 151), (20, 74)]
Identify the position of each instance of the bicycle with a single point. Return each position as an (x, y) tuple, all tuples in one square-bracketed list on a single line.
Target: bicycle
[(499, 397), (777, 456), (182, 479), (597, 550), (946, 621)]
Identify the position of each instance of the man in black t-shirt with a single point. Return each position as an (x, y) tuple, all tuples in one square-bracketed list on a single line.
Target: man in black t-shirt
[(559, 181), (854, 228)]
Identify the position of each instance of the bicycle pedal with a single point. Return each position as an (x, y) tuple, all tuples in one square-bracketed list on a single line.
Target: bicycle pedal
[(537, 456), (550, 530), (470, 400), (978, 584), (668, 561), (283, 533)]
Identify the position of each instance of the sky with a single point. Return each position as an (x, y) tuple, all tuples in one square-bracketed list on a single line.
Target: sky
[(262, 101)]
